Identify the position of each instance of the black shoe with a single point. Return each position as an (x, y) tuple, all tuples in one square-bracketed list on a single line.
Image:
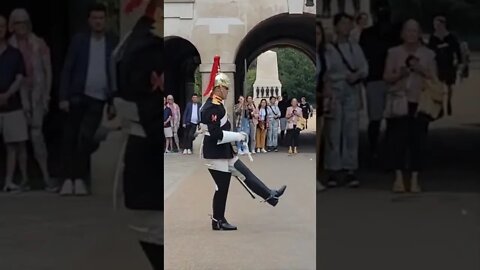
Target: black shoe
[(280, 191), (273, 199), (352, 181), (222, 225), (276, 149), (257, 186)]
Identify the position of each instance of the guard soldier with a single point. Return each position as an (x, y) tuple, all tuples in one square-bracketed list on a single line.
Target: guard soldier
[(138, 71), (218, 150)]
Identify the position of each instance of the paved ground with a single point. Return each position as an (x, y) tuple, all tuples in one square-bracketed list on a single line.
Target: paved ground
[(280, 238), (376, 230), (46, 232), (40, 231)]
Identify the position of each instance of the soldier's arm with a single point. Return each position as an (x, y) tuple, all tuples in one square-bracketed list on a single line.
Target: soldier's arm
[(212, 120), (151, 117)]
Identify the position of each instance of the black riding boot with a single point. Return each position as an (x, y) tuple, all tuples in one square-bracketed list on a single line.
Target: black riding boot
[(222, 180), (154, 254), (257, 186)]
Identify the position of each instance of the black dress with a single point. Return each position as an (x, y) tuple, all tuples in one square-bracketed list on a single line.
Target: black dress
[(446, 50)]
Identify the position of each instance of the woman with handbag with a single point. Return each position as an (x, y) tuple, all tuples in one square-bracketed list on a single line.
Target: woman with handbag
[(347, 68), (253, 120), (294, 113), (408, 67), (241, 122), (262, 127), (273, 116)]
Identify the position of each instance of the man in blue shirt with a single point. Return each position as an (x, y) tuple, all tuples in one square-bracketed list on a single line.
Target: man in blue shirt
[(191, 119), (84, 90)]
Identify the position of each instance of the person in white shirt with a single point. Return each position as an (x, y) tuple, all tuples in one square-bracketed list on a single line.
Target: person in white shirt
[(261, 133), (191, 119), (347, 68), (273, 116)]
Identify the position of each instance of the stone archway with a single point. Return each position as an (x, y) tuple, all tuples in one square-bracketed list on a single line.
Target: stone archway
[(292, 30), (182, 60)]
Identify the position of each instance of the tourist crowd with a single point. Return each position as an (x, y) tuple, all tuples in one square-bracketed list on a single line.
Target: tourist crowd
[(406, 79), (25, 90), (269, 123)]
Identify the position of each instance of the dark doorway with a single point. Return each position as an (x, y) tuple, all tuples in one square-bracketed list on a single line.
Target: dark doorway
[(182, 60)]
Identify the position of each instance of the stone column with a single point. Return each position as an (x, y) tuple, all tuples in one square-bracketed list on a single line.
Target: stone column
[(229, 70)]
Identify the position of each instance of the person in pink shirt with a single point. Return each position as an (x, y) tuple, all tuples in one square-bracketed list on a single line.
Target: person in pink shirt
[(36, 87), (176, 117)]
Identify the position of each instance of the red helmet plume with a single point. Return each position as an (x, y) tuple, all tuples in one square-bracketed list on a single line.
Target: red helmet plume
[(213, 74)]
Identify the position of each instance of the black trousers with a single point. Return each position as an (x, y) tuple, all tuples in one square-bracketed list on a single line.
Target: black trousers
[(154, 254), (327, 6), (189, 135), (142, 178), (407, 137), (83, 121), (292, 136), (222, 180)]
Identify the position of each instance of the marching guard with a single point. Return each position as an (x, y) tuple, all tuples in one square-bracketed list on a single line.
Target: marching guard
[(138, 69), (217, 149)]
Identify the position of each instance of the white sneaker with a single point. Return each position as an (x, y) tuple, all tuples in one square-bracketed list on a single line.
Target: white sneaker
[(80, 188), (185, 151), (67, 188), (241, 152), (258, 150), (264, 151), (189, 151)]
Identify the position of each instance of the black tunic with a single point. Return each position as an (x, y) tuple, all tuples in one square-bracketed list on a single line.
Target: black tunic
[(214, 115), (140, 57)]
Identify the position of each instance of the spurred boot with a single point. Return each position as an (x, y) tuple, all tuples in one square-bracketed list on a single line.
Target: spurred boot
[(222, 180), (257, 186)]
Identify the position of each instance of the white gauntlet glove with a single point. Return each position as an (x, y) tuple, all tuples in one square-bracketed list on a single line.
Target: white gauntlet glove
[(229, 136)]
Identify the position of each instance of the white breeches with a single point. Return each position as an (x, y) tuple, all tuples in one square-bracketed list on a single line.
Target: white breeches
[(223, 165)]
